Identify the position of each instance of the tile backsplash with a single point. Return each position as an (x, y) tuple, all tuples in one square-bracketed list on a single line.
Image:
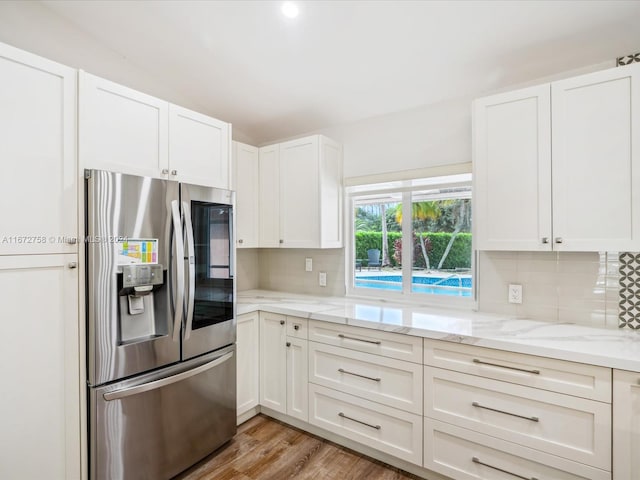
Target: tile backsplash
[(283, 269), (629, 298), (576, 287)]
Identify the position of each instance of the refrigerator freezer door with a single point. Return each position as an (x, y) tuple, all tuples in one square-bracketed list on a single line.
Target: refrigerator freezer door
[(159, 424), (132, 238), (210, 257)]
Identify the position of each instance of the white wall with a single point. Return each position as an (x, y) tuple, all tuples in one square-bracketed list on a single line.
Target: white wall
[(433, 135)]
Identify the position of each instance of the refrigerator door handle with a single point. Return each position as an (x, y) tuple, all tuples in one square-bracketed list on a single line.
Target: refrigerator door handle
[(179, 297), (163, 382), (190, 258)]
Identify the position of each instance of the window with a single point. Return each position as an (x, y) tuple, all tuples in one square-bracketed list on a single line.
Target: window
[(429, 257)]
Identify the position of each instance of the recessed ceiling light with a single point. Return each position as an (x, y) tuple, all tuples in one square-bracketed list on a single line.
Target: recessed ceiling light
[(290, 10)]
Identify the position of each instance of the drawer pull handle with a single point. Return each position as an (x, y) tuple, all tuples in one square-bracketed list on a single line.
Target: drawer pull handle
[(477, 460), (532, 419), (342, 370), (377, 427), (375, 342), (481, 362)]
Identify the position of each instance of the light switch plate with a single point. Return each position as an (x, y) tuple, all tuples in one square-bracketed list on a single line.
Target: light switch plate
[(322, 279), (515, 293), (308, 264)]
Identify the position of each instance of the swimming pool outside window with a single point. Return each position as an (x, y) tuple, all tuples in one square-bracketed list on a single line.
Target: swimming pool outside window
[(413, 238)]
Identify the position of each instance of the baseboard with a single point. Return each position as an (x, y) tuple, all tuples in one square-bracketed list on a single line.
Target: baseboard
[(243, 417)]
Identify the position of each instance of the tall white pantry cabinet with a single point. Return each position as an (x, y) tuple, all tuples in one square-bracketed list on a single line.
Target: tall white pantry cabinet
[(40, 357)]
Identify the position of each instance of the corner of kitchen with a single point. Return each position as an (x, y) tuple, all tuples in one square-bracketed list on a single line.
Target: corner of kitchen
[(438, 281)]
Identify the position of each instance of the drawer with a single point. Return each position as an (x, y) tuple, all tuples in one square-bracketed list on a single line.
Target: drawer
[(384, 428), (451, 450), (392, 382), (393, 345), (560, 376), (297, 327), (574, 428)]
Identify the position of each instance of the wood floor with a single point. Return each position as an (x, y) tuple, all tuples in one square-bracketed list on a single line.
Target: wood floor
[(265, 449)]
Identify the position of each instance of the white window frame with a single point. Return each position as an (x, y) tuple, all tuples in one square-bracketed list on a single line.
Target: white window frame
[(406, 188)]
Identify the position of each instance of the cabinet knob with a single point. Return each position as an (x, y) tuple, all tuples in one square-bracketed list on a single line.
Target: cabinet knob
[(545, 240), (240, 240), (281, 322), (288, 344), (296, 327), (165, 171), (73, 264), (558, 239), (174, 172), (281, 241)]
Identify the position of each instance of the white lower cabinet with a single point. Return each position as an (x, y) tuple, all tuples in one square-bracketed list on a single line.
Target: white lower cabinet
[(395, 383), (626, 425), (283, 365), (575, 428), (491, 414), (248, 362), (461, 411), (362, 386), (40, 368), (297, 378), (273, 362), (390, 430), (467, 455)]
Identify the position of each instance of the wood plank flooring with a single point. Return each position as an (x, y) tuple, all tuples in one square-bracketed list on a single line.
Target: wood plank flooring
[(266, 449)]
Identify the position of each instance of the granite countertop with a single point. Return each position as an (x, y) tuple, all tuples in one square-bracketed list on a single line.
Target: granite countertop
[(595, 346)]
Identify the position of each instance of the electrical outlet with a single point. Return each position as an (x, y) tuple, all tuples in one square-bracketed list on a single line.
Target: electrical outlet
[(515, 293), (322, 279), (308, 265)]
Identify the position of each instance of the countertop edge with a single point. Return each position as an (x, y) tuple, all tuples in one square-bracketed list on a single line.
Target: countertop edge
[(271, 303)]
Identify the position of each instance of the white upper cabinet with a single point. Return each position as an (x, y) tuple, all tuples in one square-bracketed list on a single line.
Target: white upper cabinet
[(246, 184), (199, 148), (269, 195), (38, 185), (512, 170), (596, 162), (301, 194), (555, 167), (123, 130)]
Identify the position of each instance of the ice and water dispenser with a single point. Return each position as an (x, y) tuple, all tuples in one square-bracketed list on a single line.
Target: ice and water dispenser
[(138, 286)]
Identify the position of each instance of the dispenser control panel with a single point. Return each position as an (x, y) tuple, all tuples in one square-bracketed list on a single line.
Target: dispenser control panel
[(137, 275)]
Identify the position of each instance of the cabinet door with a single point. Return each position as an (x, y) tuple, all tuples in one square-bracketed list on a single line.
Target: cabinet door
[(299, 193), (122, 130), (596, 161), (38, 199), (198, 148), (330, 193), (297, 378), (269, 194), (248, 361), (512, 170), (39, 367), (273, 362), (626, 425), (245, 174)]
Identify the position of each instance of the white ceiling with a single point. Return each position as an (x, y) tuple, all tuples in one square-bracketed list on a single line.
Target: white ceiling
[(343, 61)]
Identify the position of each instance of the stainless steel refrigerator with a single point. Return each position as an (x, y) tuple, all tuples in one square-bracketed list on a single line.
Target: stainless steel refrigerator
[(161, 324)]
